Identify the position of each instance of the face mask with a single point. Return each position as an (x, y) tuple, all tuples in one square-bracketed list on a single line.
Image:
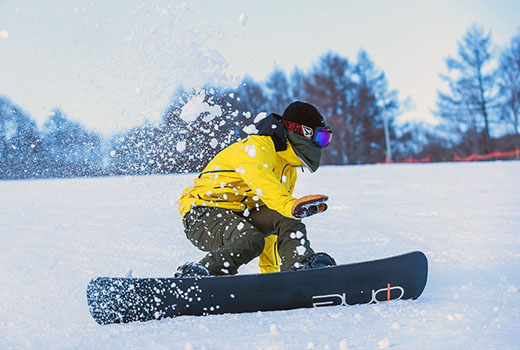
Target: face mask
[(308, 151)]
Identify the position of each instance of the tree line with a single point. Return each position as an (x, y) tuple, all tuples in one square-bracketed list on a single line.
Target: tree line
[(479, 109)]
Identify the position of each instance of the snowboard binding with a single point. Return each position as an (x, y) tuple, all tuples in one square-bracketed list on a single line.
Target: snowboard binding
[(317, 260), (192, 269)]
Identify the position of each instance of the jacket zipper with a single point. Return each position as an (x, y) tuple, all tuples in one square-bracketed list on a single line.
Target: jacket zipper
[(275, 251), (283, 170)]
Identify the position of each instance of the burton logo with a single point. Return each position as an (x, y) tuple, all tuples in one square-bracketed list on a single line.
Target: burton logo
[(341, 299)]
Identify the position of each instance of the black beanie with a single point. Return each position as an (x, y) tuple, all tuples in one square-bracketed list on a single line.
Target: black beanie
[(303, 113)]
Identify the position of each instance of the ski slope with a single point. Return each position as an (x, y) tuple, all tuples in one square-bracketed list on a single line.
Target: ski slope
[(58, 234)]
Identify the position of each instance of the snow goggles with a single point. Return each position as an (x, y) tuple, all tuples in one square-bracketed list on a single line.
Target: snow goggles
[(321, 135)]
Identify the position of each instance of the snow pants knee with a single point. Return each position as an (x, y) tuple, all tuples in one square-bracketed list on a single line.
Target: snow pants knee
[(232, 239)]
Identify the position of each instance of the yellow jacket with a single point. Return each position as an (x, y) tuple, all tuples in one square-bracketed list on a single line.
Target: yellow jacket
[(248, 174)]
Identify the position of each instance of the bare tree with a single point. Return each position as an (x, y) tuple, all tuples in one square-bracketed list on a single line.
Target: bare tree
[(297, 83), (373, 110), (469, 104), (330, 88), (279, 92), (509, 83)]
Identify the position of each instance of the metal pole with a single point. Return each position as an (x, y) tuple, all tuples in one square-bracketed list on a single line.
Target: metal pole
[(387, 135)]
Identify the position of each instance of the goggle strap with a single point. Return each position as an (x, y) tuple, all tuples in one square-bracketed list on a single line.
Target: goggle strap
[(298, 128)]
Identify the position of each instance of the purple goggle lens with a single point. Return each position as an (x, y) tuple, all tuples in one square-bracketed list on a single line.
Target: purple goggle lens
[(322, 136)]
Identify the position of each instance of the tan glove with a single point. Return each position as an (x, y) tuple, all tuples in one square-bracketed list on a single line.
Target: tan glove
[(309, 205)]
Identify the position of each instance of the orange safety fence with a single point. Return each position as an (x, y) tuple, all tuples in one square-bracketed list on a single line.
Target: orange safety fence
[(408, 160), (473, 157), (495, 155), (413, 160)]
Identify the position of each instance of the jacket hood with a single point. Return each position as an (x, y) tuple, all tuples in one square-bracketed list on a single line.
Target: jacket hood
[(272, 126)]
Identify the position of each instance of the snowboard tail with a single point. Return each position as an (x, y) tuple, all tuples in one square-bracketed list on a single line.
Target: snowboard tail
[(122, 300)]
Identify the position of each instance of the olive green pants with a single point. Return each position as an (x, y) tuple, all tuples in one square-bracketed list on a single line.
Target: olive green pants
[(234, 239)]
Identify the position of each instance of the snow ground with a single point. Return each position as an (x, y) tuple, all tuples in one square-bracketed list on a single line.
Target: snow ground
[(58, 234)]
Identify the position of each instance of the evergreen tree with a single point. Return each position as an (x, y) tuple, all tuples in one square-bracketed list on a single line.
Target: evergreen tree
[(73, 150), (22, 151)]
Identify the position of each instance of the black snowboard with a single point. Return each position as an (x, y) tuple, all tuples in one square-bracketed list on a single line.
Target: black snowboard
[(115, 300)]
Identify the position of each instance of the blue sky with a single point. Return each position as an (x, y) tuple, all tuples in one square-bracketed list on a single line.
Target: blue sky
[(114, 64)]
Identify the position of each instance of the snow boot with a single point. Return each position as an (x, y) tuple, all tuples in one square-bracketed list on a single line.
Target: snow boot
[(191, 269), (318, 260)]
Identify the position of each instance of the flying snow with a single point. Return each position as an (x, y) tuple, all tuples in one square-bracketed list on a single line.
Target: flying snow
[(260, 116), (251, 150), (4, 34), (383, 343), (250, 129), (301, 250), (197, 106), (181, 146), (242, 19)]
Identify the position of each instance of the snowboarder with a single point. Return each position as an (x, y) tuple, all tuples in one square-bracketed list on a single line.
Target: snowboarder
[(241, 205)]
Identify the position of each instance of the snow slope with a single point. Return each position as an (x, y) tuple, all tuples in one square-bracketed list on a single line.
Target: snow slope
[(57, 234)]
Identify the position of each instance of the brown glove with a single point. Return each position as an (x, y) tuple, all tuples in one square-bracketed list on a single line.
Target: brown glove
[(309, 205)]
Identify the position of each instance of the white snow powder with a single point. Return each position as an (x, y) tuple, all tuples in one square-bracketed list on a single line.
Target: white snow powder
[(250, 129), (181, 146), (460, 242), (242, 19), (251, 150), (213, 143), (383, 343), (196, 106), (260, 116)]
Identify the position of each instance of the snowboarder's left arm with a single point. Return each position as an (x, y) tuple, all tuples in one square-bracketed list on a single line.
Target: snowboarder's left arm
[(309, 205)]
